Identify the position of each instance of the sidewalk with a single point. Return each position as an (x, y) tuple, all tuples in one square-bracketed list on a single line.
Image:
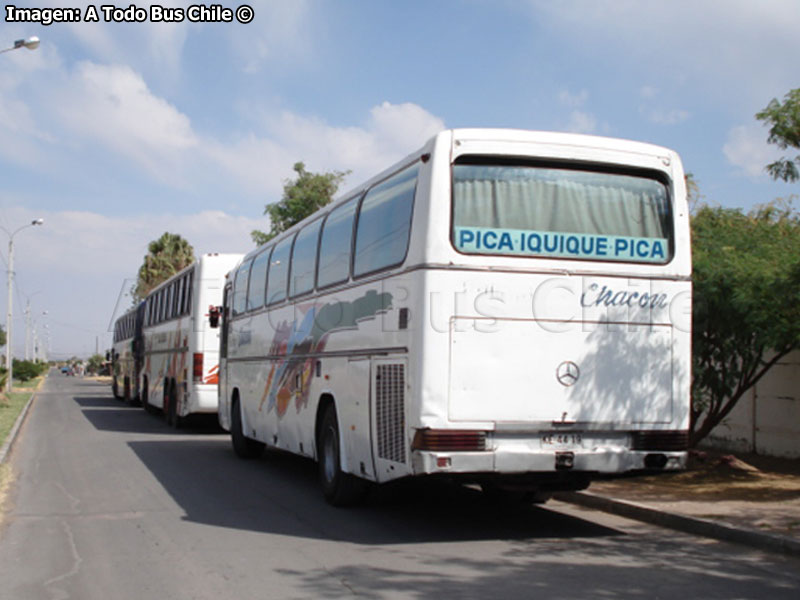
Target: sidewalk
[(743, 498)]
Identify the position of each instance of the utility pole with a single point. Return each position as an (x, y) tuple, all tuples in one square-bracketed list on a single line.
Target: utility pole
[(27, 330), (9, 315)]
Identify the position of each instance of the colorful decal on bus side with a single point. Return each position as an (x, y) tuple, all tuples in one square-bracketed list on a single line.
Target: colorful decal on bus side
[(298, 344), (213, 376)]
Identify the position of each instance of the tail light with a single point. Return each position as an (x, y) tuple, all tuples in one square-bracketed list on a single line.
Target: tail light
[(197, 366), (449, 440)]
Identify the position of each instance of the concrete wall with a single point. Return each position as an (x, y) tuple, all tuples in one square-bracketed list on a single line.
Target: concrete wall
[(767, 419)]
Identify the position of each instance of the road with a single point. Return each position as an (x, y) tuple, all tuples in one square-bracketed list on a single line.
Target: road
[(109, 503)]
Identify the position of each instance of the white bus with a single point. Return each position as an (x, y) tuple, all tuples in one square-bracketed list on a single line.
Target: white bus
[(125, 355), (181, 352), (508, 308)]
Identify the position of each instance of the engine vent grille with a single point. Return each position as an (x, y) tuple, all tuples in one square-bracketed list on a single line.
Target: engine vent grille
[(390, 412)]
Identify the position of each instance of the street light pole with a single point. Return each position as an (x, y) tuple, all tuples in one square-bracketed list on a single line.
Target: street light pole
[(32, 43), (9, 324)]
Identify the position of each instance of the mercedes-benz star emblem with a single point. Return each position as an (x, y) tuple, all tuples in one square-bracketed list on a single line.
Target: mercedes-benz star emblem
[(567, 373)]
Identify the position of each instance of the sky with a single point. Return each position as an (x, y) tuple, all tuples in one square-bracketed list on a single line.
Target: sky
[(114, 133)]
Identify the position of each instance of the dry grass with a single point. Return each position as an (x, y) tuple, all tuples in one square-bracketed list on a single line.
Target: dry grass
[(712, 476)]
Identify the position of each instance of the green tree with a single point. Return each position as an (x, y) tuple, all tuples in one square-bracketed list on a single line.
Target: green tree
[(95, 363), (746, 314), (2, 336), (784, 121), (166, 256), (303, 196)]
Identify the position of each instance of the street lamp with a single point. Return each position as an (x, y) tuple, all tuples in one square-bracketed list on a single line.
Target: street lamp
[(9, 362), (32, 43)]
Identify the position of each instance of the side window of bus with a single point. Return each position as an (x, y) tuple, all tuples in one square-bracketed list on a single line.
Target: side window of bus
[(182, 285), (177, 303), (165, 303), (171, 300), (278, 271), (168, 302), (258, 281), (240, 288), (335, 244), (304, 259), (173, 292), (384, 223), (189, 286)]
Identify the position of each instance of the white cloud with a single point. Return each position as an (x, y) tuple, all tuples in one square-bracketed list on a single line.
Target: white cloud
[(106, 116), (280, 32), (581, 122), (95, 258), (661, 116), (747, 149), (93, 254), (159, 45), (573, 100), (402, 127), (714, 45), (390, 132), (647, 92), (651, 110), (113, 106)]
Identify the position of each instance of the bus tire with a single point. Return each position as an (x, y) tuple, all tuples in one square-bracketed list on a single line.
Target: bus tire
[(133, 398), (174, 420), (243, 446), (338, 487), (148, 408)]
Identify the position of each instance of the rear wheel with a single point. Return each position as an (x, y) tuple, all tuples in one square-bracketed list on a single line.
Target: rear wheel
[(244, 446), (338, 487), (149, 408), (171, 409)]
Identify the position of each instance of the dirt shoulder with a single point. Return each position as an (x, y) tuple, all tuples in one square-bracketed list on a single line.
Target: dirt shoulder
[(759, 493)]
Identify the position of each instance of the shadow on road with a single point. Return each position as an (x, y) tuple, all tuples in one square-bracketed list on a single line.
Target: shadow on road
[(110, 414), (279, 494)]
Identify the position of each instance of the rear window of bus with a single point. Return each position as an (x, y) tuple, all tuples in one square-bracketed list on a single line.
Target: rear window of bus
[(561, 212)]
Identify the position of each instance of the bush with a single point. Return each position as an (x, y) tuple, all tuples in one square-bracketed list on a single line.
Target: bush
[(25, 370)]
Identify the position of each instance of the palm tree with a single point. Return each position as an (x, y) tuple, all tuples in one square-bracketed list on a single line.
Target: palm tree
[(166, 256)]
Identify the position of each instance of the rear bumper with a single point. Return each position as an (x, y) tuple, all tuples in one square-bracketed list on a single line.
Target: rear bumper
[(545, 461), (204, 399)]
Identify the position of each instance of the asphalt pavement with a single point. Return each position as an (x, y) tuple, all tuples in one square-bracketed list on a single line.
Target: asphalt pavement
[(108, 502)]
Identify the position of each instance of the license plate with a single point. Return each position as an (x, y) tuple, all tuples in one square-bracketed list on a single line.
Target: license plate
[(562, 440)]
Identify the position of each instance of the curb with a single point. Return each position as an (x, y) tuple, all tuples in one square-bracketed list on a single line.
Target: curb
[(12, 435), (692, 525)]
